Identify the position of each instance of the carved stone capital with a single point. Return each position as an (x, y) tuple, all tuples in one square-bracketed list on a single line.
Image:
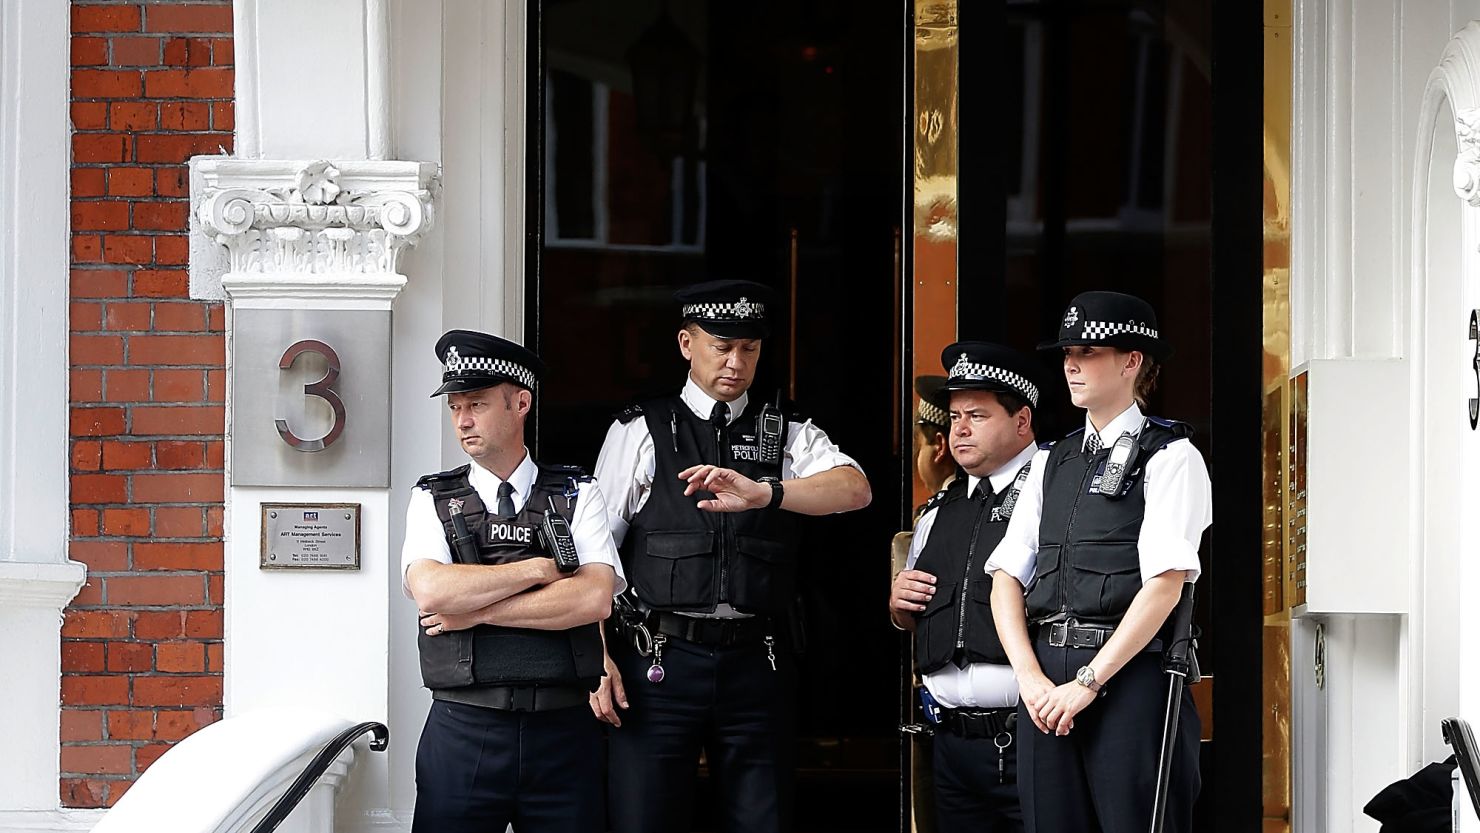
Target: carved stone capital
[(314, 228), (1467, 163)]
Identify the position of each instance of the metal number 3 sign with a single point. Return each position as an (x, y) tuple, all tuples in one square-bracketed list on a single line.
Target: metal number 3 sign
[(323, 389)]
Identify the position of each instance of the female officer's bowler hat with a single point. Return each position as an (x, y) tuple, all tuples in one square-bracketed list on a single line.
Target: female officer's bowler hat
[(1110, 319)]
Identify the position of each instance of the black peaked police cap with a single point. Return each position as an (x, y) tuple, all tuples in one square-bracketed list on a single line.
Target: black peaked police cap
[(935, 403), (1110, 319), (728, 309), (982, 365), (472, 360)]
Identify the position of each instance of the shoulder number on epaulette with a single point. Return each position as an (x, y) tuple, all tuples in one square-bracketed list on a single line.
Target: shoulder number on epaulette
[(628, 414)]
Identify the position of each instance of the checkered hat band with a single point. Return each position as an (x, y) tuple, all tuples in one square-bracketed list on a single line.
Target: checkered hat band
[(933, 415), (1104, 329), (964, 369), (482, 366), (741, 311)]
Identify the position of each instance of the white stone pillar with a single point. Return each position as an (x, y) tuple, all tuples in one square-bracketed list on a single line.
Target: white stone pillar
[(313, 213), (36, 577)]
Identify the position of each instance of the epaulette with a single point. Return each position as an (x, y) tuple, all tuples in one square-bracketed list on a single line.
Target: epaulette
[(1046, 445), (577, 473), (451, 474), (1181, 429), (935, 500), (628, 413)]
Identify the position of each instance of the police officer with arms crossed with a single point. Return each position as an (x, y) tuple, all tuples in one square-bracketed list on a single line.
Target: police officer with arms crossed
[(1105, 533), (512, 566), (704, 489), (944, 596)]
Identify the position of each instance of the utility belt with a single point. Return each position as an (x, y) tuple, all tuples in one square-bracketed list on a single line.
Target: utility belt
[(516, 698), (714, 633), (1071, 634), (973, 724)]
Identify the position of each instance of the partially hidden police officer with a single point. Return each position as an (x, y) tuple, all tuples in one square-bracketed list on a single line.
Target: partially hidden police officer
[(705, 486), (510, 643), (1105, 534), (944, 595), (933, 462)]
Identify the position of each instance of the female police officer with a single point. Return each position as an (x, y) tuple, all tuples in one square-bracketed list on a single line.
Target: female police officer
[(1104, 535)]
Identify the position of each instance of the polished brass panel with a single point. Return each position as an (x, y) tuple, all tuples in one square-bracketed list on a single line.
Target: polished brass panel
[(934, 146), (1283, 422), (934, 149)]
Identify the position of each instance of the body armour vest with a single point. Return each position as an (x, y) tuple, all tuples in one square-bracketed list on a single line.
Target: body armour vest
[(958, 619), (492, 654), (1089, 560), (679, 557)]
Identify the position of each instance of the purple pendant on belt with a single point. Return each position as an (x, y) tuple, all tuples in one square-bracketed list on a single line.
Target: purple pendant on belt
[(655, 674)]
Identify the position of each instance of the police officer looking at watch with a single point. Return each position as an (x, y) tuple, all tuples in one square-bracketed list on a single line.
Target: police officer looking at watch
[(1105, 533), (512, 565), (943, 595), (704, 488)]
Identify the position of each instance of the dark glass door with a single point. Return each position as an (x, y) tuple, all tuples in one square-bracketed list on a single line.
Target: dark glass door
[(685, 141)]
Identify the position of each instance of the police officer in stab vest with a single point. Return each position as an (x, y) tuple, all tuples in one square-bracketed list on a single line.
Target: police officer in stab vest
[(944, 595), (704, 487), (1105, 533), (512, 566)]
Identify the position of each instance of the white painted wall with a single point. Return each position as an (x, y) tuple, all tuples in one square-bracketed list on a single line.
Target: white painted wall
[(457, 81), (409, 80), (36, 578), (1383, 274)]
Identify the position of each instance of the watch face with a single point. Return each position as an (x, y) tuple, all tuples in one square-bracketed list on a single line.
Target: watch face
[(1086, 676)]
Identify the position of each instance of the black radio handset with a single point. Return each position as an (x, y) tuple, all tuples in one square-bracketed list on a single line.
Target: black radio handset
[(558, 539), (1122, 459), (771, 426)]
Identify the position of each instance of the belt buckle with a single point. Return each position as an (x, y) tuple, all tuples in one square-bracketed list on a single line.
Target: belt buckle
[(521, 698), (1058, 634)]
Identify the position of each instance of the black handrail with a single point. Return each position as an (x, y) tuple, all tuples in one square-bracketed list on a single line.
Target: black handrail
[(1458, 735), (317, 767)]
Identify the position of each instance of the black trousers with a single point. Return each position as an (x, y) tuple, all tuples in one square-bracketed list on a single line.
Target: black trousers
[(479, 770), (726, 701), (1101, 777), (971, 796)]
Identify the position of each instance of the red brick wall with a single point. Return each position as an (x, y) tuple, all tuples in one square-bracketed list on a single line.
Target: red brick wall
[(141, 644)]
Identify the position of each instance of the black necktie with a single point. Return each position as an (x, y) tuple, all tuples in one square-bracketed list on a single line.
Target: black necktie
[(1093, 444), (983, 490), (720, 416), (505, 500)]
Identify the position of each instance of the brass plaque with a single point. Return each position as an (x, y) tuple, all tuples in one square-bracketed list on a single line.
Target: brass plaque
[(310, 536)]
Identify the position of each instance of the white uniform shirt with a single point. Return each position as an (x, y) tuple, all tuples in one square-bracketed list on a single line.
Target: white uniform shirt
[(1179, 506), (426, 538), (980, 685), (626, 466)]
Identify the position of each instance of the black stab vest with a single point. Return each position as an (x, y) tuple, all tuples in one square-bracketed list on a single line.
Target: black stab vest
[(682, 558), (493, 654), (959, 616), (1089, 564)]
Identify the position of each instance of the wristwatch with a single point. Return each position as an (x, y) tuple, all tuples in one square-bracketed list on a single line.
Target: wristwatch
[(1085, 676), (777, 491)]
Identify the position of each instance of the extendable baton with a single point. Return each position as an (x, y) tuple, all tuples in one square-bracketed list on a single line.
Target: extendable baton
[(1177, 661)]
